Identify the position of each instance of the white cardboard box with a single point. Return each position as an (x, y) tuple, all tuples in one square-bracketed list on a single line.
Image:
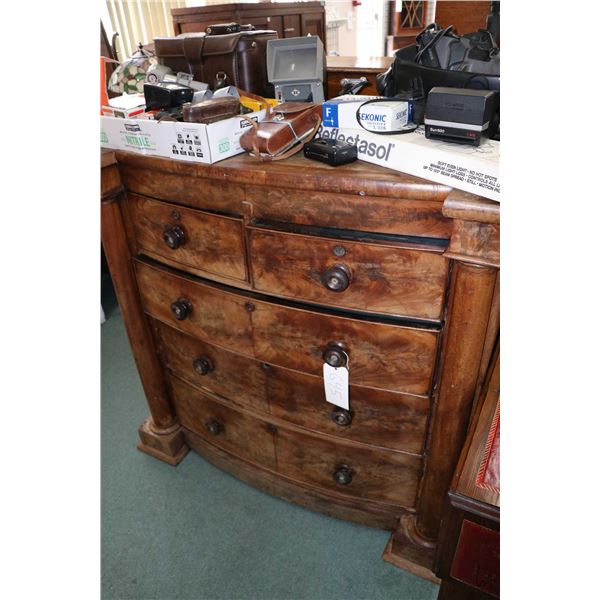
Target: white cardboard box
[(340, 113), (468, 168), (193, 142)]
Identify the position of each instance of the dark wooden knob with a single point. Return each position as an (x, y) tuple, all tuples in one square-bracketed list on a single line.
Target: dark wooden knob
[(214, 427), (173, 236), (203, 365), (342, 475), (181, 309), (336, 278), (341, 417), (334, 356)]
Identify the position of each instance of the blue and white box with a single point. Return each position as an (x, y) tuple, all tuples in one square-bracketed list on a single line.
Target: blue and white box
[(341, 112)]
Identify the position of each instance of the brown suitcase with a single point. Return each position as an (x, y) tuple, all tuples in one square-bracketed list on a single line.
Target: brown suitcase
[(238, 59), (211, 110)]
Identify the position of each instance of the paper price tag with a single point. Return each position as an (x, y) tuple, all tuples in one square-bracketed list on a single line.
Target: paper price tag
[(336, 385)]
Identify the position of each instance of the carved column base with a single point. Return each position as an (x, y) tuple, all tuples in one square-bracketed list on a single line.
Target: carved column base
[(408, 550), (166, 444)]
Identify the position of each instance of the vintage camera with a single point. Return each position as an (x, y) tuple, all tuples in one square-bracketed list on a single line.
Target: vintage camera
[(331, 152), (166, 95)]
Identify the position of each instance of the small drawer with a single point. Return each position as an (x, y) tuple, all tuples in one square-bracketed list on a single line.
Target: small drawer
[(381, 475), (381, 355), (187, 237), (233, 431), (375, 278), (376, 417)]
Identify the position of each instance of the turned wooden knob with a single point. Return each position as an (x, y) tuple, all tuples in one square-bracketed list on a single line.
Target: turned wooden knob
[(341, 417), (334, 356), (214, 427), (181, 309), (336, 278), (203, 365), (342, 475), (173, 236)]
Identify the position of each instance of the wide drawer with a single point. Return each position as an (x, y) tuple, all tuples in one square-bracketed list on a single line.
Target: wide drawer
[(377, 278), (381, 355), (188, 237), (342, 467), (376, 417)]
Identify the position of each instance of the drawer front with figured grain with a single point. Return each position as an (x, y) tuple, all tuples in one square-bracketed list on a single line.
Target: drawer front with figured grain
[(377, 417), (239, 379), (377, 278), (380, 355), (188, 237), (214, 316), (353, 470), (233, 431)]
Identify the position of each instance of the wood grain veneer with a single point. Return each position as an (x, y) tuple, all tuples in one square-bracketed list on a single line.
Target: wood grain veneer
[(238, 376)]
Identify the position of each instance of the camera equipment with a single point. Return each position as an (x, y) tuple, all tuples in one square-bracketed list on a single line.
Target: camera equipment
[(331, 152), (296, 66), (456, 115), (166, 95)]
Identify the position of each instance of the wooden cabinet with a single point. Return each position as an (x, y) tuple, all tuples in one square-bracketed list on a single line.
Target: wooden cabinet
[(288, 19), (238, 281)]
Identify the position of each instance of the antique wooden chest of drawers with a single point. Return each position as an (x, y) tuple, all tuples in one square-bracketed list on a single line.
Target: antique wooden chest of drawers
[(238, 281)]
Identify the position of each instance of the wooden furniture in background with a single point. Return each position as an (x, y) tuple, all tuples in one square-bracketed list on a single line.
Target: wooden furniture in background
[(238, 280), (288, 19), (468, 553), (465, 17), (341, 67), (403, 27)]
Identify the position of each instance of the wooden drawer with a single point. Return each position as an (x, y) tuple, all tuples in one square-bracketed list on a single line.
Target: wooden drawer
[(382, 355), (206, 242), (376, 417), (376, 278), (233, 431), (239, 379), (382, 475)]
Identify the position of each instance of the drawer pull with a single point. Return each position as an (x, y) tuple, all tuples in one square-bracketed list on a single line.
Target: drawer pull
[(203, 365), (335, 356), (181, 309), (215, 427), (336, 278), (341, 417), (173, 236), (342, 475)]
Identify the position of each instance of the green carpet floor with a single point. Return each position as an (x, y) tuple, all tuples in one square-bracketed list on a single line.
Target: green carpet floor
[(195, 532)]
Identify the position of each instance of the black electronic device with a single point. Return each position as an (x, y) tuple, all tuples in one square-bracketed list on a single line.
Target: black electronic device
[(331, 152), (459, 115), (166, 95)]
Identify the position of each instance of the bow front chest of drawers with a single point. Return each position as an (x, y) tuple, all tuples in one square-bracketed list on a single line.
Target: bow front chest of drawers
[(238, 280)]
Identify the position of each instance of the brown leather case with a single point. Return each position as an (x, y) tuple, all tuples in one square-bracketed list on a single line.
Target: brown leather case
[(211, 110), (241, 56), (284, 131)]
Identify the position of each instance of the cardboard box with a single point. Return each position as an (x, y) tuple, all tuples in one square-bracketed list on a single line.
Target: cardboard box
[(340, 112), (468, 168), (193, 142)]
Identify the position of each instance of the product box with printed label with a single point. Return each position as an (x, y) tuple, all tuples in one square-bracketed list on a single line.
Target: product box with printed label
[(387, 115), (194, 142), (472, 169)]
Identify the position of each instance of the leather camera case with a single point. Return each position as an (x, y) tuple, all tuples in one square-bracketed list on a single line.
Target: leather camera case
[(284, 131), (211, 110), (241, 56)]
